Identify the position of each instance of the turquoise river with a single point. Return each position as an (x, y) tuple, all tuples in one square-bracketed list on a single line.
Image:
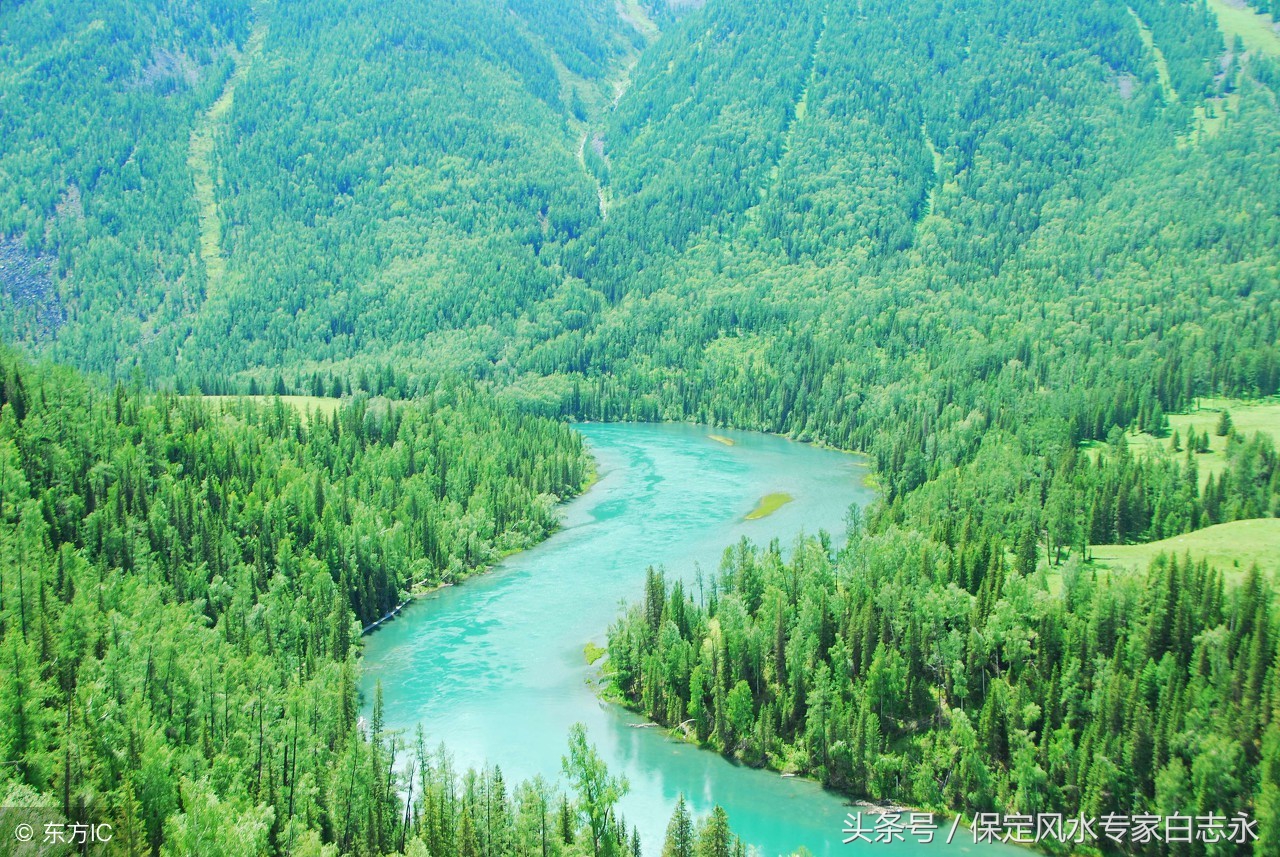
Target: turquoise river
[(494, 667)]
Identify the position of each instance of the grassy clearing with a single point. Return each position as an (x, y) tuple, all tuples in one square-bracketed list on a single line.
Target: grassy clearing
[(1247, 417), (769, 504), (719, 438), (303, 404), (204, 170), (939, 180), (1256, 30), (1231, 548), (1211, 116), (1162, 67)]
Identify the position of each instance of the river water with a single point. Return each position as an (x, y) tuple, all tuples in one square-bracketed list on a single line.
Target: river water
[(495, 669)]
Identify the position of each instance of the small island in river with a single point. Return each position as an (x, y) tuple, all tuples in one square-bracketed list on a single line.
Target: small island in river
[(769, 504)]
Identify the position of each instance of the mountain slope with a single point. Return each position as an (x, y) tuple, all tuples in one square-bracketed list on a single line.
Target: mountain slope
[(426, 187)]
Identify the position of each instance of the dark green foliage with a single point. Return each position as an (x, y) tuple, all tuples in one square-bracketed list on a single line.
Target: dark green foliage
[(98, 100), (964, 237), (880, 674), (181, 585), (1188, 37)]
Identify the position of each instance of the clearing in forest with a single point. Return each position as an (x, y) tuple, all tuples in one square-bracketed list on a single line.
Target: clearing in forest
[(1247, 417), (1232, 548), (1255, 29), (322, 405), (204, 171), (1162, 67)]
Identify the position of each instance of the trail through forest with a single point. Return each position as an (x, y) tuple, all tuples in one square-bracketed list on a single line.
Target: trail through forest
[(1162, 66), (617, 84), (204, 169)]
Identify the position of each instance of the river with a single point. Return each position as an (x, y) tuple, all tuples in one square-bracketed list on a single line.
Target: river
[(495, 667)]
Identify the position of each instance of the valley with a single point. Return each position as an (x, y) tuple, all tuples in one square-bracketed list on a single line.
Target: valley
[(312, 311)]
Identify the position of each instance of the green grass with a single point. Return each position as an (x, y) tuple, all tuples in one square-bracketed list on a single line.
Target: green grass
[(940, 182), (769, 504), (1247, 417), (1162, 67), (1256, 30), (204, 170), (303, 404), (1211, 116), (1231, 548), (634, 13)]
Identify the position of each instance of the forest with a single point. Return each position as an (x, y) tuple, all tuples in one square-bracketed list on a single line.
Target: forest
[(991, 246), (184, 587)]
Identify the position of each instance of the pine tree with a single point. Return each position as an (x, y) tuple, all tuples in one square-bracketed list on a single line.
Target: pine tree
[(566, 822), (1224, 424), (1267, 800), (714, 838), (468, 841), (679, 841)]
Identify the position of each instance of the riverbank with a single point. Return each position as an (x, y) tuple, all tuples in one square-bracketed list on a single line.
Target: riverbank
[(497, 669), (943, 818), (424, 588)]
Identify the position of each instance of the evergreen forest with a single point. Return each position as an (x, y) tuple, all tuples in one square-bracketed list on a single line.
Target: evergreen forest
[(300, 300)]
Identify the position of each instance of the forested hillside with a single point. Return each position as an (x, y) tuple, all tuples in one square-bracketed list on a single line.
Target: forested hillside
[(984, 243), (376, 172), (98, 101), (794, 219), (183, 587)]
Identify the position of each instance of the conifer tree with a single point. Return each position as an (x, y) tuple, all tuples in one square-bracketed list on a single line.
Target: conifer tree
[(1223, 427), (680, 837)]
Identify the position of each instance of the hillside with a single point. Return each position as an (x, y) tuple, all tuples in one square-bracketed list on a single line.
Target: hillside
[(422, 195), (1234, 548), (184, 586), (293, 172), (1017, 253)]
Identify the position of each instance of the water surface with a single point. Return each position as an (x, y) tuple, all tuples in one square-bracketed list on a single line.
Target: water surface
[(494, 667)]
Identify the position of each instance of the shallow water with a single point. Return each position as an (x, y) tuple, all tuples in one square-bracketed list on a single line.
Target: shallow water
[(494, 667)]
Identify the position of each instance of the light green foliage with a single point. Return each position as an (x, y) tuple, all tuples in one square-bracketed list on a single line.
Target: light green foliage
[(597, 792), (209, 826), (182, 586), (891, 678)]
